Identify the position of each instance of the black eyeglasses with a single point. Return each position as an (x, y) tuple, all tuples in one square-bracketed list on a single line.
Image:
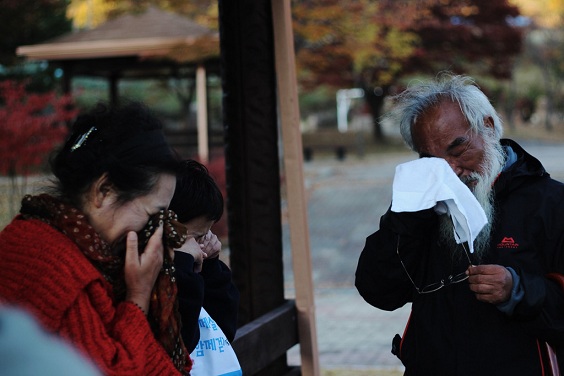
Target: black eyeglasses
[(450, 280)]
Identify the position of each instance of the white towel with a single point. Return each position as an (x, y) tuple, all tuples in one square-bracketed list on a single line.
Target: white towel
[(431, 183)]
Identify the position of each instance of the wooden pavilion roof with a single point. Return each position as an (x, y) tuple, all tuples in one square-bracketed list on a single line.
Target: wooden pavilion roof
[(153, 34)]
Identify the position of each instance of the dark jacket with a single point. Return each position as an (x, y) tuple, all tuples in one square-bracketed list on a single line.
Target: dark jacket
[(450, 332), (213, 289)]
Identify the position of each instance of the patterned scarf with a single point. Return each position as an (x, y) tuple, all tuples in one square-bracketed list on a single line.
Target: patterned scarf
[(164, 315)]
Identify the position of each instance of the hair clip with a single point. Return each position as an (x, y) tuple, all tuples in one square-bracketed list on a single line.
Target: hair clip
[(82, 139)]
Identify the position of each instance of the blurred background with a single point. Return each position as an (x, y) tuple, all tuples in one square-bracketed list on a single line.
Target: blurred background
[(351, 58)]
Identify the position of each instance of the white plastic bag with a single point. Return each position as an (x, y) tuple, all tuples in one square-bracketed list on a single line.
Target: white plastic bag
[(213, 356)]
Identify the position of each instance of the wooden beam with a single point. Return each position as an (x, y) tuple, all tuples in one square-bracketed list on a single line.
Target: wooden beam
[(202, 114), (262, 341), (293, 167)]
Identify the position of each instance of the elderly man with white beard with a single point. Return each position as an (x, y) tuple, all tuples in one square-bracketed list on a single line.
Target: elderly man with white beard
[(490, 312)]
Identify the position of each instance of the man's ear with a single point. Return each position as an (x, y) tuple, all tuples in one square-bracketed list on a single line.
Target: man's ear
[(102, 191), (489, 122)]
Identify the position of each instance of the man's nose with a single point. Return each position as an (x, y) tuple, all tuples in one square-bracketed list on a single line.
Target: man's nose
[(455, 167)]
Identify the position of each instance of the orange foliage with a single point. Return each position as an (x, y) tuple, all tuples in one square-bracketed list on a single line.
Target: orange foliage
[(373, 43)]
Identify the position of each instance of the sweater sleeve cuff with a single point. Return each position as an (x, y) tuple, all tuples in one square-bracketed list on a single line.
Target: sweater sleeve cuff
[(517, 294), (211, 266), (183, 261)]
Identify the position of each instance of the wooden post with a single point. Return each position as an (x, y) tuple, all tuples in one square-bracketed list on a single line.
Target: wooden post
[(252, 161), (251, 155), (113, 89), (293, 166), (201, 99)]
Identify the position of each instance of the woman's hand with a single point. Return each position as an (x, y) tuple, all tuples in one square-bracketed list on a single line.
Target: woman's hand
[(211, 245), (192, 247), (141, 270)]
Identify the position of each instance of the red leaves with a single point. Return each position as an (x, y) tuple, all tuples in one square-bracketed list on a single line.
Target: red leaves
[(31, 125), (367, 43)]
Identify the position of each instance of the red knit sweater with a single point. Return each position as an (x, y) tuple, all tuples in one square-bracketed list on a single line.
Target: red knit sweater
[(44, 271)]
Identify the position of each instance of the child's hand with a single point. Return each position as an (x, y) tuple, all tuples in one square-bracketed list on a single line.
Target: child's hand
[(210, 245)]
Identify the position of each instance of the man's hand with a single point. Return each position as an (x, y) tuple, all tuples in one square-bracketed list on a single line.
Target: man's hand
[(491, 283)]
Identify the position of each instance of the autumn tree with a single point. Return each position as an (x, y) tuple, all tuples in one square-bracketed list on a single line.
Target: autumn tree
[(90, 13), (544, 48), (31, 125), (373, 44)]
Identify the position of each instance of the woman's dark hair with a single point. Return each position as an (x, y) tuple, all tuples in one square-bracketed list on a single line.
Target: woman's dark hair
[(125, 142), (196, 194)]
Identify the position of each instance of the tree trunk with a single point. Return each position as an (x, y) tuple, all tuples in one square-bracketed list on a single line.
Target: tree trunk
[(550, 92), (375, 99)]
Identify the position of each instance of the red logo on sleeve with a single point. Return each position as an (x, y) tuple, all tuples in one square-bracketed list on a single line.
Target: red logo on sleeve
[(507, 242)]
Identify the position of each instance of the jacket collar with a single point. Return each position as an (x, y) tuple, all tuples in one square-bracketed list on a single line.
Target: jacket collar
[(525, 167)]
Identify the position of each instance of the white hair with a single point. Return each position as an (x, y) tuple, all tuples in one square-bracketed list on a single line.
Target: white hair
[(416, 99)]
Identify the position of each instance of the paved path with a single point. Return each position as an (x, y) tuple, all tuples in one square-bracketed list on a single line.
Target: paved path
[(345, 202)]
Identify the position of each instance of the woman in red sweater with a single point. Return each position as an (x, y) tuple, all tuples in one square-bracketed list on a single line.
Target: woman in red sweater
[(72, 257)]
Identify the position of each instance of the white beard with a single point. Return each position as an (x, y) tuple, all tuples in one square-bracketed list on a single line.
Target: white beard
[(494, 160)]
